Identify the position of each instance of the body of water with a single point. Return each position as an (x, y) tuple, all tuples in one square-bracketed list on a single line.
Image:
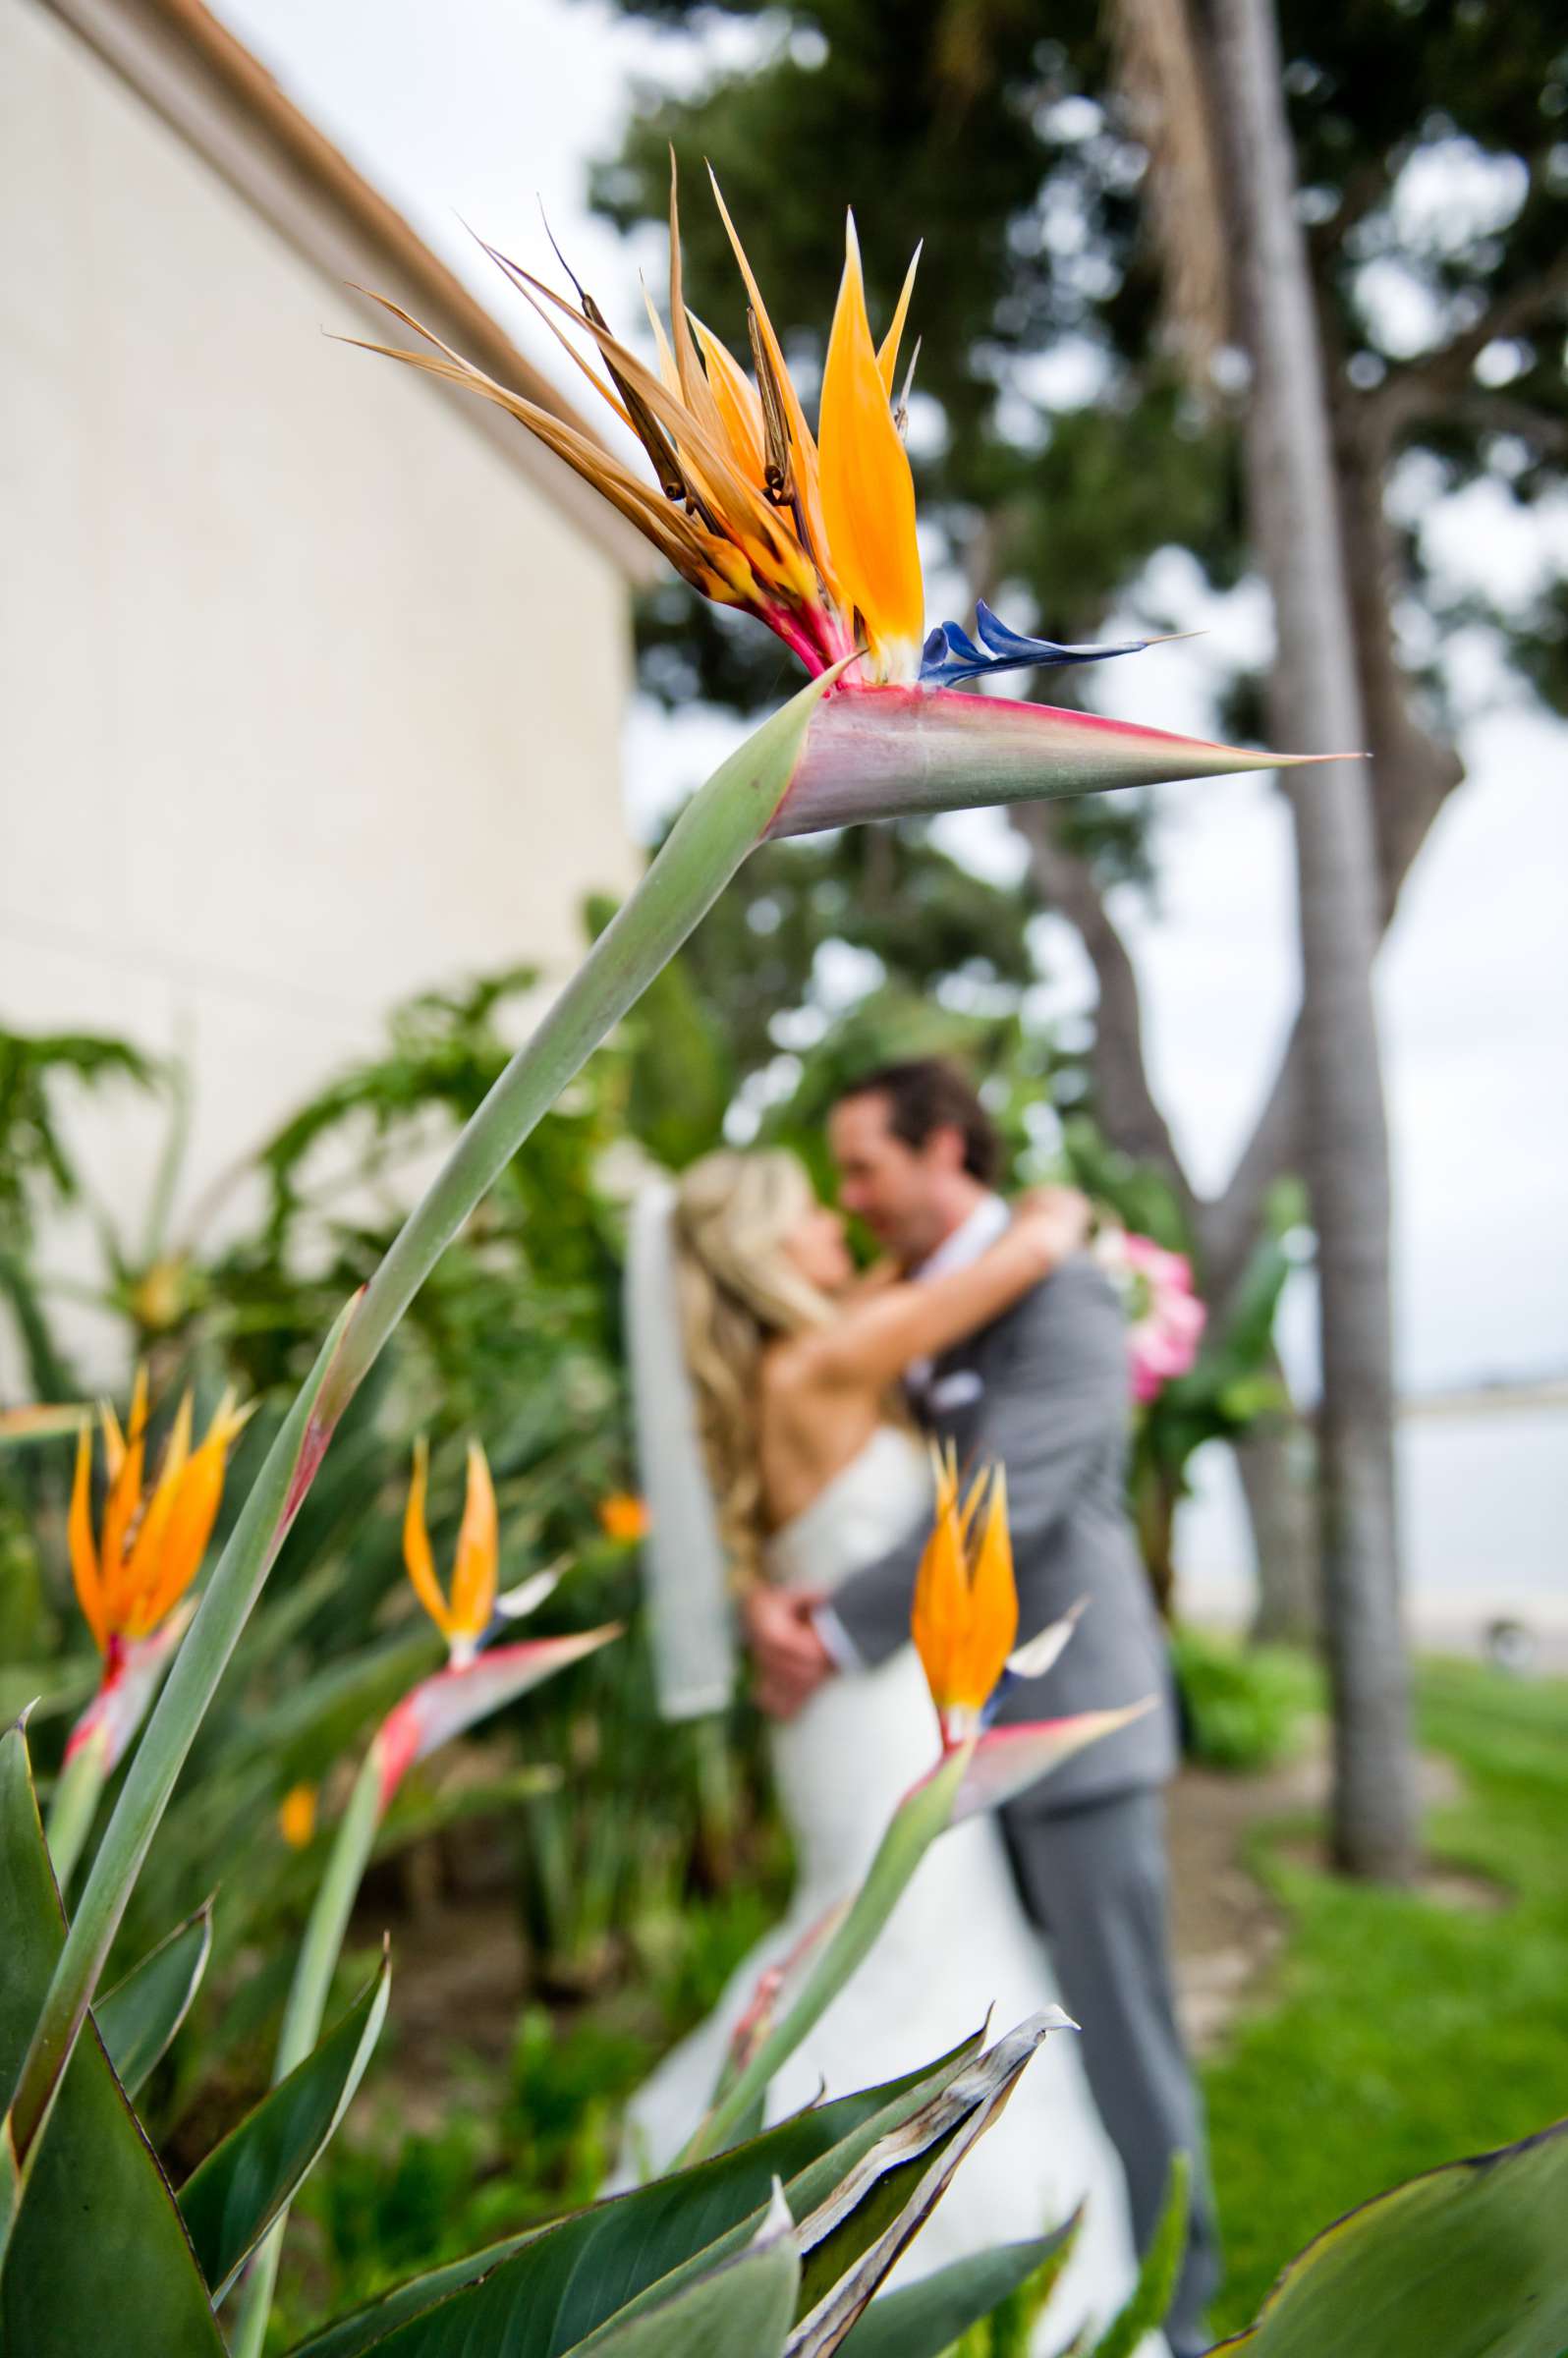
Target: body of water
[(1483, 1496)]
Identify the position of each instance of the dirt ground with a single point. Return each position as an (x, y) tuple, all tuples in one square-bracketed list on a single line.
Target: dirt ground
[(1225, 1929)]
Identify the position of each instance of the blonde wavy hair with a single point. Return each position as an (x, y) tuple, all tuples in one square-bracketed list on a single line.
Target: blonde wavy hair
[(739, 1289)]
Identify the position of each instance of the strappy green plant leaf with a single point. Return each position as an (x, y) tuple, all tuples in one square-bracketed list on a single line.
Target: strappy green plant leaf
[(98, 2256), (849, 2245), (231, 2199), (1470, 2260), (537, 2293), (1161, 2263), (742, 2305), (140, 2017), (927, 2319)]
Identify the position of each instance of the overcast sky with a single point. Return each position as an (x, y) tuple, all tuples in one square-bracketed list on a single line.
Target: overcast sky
[(472, 111)]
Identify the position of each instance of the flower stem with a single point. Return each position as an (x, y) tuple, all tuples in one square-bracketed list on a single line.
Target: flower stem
[(723, 821), (74, 1805), (308, 1992), (913, 1827)]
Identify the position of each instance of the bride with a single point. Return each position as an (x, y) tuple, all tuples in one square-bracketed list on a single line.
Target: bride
[(774, 1449)]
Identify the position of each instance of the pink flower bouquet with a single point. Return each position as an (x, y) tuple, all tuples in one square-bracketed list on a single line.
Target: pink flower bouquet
[(1165, 1318)]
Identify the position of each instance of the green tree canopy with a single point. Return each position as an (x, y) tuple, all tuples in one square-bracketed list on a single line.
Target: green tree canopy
[(1056, 447)]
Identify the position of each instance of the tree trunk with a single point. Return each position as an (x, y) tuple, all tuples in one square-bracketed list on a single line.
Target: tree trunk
[(1274, 1467), (1316, 705)]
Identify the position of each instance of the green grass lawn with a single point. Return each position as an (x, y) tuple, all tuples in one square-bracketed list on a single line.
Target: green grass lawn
[(1397, 2033)]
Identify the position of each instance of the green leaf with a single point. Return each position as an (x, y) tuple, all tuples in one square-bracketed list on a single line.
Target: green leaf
[(741, 2310), (1156, 2278), (865, 2225), (859, 2208), (231, 2199), (1251, 1397), (537, 2293), (138, 2018), (1466, 2262), (98, 2251), (74, 1803), (416, 1816), (927, 2319), (42, 1691)]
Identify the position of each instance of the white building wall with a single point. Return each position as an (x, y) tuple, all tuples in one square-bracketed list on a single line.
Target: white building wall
[(308, 697)]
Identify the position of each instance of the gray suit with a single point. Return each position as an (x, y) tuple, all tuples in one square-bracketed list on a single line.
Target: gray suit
[(1043, 1393)]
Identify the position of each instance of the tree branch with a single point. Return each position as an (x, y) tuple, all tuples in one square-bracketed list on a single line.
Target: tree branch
[(1430, 384), (1124, 1098), (1504, 413)]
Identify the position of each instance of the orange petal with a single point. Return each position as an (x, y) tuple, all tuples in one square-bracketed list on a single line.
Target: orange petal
[(971, 1512), (696, 390), (669, 374), (867, 490), (143, 1574), (417, 1544), (808, 485), (940, 1610), (83, 1555), (194, 1513), (670, 529), (478, 1552), (887, 350), (740, 411), (624, 1516), (606, 393), (229, 1420), (113, 1438), (992, 1601), (704, 457), (125, 1498)]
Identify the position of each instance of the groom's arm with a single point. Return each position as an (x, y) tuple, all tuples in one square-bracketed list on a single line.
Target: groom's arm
[(1062, 1395), (868, 1617), (1046, 1414)]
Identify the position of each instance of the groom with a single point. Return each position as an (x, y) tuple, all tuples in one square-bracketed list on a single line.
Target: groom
[(1042, 1391)]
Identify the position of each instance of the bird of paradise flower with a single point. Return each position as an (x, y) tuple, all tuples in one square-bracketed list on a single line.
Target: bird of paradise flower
[(816, 535), (131, 1581), (479, 1677), (964, 1623)]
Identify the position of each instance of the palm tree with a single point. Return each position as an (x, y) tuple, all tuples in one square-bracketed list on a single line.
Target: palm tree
[(1236, 194)]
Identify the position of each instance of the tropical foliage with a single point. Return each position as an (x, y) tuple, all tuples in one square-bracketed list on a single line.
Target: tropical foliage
[(776, 2242), (763, 2240)]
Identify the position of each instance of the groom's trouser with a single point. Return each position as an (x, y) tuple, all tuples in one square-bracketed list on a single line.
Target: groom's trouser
[(1095, 1880)]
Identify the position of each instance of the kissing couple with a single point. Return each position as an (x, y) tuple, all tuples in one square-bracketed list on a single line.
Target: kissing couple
[(784, 1411)]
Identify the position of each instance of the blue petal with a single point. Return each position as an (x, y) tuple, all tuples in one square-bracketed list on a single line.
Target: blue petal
[(951, 654)]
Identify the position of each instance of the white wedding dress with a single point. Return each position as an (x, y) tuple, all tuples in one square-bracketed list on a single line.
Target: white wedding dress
[(957, 1948)]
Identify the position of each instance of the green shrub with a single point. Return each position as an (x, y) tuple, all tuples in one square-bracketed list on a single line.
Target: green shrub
[(1246, 1706)]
